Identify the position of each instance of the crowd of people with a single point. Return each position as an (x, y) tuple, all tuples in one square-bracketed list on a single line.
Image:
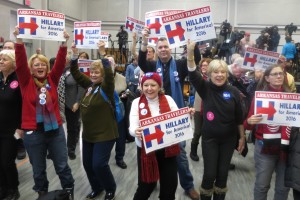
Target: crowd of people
[(37, 97)]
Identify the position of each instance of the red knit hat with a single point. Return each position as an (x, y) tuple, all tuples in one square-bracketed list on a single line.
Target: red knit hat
[(151, 75)]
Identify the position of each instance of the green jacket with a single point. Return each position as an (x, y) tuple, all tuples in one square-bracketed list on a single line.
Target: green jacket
[(98, 118)]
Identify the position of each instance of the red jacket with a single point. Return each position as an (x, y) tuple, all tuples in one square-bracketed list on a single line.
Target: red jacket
[(29, 88)]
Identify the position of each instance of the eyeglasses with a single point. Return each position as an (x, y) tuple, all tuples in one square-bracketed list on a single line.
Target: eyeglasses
[(40, 64), (277, 74)]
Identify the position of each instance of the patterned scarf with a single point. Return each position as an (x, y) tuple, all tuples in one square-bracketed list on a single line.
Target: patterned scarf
[(61, 96), (276, 139), (176, 89), (149, 166), (45, 113)]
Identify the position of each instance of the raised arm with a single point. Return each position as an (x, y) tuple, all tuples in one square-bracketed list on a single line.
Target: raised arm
[(22, 69), (145, 65), (194, 75), (108, 85), (60, 61), (133, 48), (101, 49)]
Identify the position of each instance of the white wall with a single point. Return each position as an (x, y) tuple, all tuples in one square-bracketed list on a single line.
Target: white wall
[(247, 15)]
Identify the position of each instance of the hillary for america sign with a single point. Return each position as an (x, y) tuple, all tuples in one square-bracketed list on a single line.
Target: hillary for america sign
[(166, 129), (195, 25), (84, 66), (41, 24), (259, 59), (153, 21), (278, 108), (87, 34), (134, 25)]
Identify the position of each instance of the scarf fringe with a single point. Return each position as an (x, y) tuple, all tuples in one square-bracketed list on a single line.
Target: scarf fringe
[(150, 171)]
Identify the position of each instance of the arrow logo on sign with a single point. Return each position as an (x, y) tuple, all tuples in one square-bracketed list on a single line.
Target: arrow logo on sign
[(269, 110), (179, 31), (79, 36), (158, 135), (130, 26), (31, 25), (156, 25), (249, 59)]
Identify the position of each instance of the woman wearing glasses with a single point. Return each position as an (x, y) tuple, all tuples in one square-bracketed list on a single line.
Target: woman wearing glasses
[(40, 115), (99, 125), (271, 140)]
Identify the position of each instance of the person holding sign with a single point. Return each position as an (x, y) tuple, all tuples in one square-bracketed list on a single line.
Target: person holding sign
[(161, 164), (222, 121), (100, 131), (173, 73), (40, 115), (271, 142)]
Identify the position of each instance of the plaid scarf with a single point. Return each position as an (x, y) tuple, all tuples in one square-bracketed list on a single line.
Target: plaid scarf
[(149, 166), (45, 113)]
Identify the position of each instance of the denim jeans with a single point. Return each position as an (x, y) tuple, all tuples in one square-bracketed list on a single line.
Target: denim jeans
[(185, 175), (265, 165), (121, 141), (95, 158), (37, 143)]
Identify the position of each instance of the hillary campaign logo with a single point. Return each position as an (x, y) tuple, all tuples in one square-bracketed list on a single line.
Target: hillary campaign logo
[(248, 59), (79, 36), (177, 32), (269, 110), (32, 26), (156, 135), (156, 25)]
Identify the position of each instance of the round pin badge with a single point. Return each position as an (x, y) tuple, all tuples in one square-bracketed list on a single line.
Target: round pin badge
[(43, 90), (144, 112), (42, 96), (175, 73), (14, 84), (158, 70), (226, 95), (160, 74), (210, 116), (177, 79), (142, 105), (42, 101)]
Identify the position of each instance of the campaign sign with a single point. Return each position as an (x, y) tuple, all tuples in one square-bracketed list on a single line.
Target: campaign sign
[(278, 108), (195, 25), (104, 37), (41, 24), (134, 25), (166, 129), (84, 66), (87, 34), (154, 23), (259, 59)]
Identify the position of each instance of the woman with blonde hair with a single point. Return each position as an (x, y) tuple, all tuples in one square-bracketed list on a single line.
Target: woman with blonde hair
[(40, 115), (99, 132), (222, 122), (10, 118)]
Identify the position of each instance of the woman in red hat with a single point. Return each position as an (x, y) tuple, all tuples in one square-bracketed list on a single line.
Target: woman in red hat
[(160, 164)]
